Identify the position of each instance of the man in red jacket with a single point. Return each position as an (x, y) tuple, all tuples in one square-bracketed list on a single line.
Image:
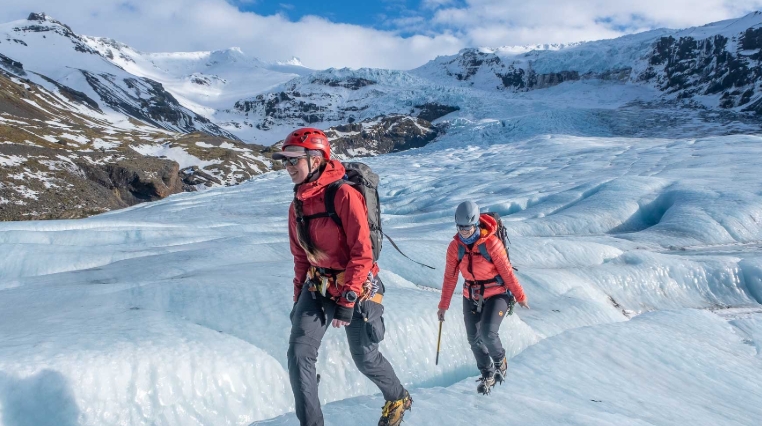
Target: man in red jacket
[(489, 288), (335, 279)]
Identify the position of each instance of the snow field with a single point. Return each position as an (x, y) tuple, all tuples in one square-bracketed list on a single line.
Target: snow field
[(640, 256), (670, 367), (176, 312)]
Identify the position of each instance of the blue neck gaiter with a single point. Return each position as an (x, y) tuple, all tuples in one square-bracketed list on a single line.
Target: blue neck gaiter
[(472, 239)]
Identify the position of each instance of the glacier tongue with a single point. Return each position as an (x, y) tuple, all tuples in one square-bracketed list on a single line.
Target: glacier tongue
[(674, 367), (177, 311)]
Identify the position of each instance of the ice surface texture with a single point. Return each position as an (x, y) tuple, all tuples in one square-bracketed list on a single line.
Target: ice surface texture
[(176, 312)]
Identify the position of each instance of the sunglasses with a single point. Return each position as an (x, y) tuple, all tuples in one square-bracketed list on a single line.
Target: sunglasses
[(291, 161), (465, 227)]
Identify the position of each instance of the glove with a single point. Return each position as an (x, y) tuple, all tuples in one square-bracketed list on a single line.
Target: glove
[(343, 313)]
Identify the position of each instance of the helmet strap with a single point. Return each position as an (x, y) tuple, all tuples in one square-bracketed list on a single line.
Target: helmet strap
[(312, 173)]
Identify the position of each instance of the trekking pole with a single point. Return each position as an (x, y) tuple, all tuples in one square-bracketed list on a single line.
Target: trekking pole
[(439, 341)]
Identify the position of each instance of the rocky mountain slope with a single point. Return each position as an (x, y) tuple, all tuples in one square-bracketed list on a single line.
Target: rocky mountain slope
[(650, 84), (713, 67), (716, 65), (51, 55), (61, 159), (103, 126)]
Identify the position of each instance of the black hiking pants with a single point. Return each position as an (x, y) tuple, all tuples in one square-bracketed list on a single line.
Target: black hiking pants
[(482, 329), (310, 320)]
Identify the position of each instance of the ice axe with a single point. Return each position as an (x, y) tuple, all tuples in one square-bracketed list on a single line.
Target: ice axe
[(439, 341)]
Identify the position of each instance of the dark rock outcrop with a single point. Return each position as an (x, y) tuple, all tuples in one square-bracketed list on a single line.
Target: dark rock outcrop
[(381, 135), (352, 83), (79, 185), (431, 111), (273, 107), (687, 67), (14, 67), (726, 66), (137, 179), (194, 176), (518, 77)]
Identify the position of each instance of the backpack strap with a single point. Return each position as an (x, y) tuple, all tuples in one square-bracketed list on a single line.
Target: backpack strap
[(330, 211), (461, 255), (484, 252), (330, 197), (400, 252), (330, 208), (480, 304)]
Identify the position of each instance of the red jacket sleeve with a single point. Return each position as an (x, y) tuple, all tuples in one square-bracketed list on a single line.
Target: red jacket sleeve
[(450, 276), (503, 265), (301, 264), (351, 209)]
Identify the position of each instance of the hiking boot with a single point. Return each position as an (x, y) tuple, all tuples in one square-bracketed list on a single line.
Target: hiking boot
[(501, 370), (485, 383), (393, 411)]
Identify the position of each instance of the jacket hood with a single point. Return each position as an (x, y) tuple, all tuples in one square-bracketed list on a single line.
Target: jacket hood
[(487, 227), (333, 171)]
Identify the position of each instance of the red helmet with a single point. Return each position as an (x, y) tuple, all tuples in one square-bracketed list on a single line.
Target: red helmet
[(308, 138)]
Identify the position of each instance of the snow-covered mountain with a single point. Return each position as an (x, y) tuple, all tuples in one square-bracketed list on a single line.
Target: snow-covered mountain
[(716, 65), (203, 81), (340, 96), (52, 54), (699, 81), (82, 135)]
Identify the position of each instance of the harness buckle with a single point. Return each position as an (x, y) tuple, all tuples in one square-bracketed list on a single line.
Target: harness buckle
[(322, 278), (479, 302), (476, 290), (319, 279)]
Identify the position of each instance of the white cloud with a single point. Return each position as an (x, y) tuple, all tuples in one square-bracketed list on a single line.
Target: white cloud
[(433, 4), (187, 25), (184, 25), (516, 22)]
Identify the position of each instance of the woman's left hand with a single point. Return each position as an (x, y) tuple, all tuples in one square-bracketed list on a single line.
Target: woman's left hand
[(339, 323)]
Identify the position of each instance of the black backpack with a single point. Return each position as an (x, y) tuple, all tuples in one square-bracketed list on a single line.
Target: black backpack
[(501, 234), (362, 178)]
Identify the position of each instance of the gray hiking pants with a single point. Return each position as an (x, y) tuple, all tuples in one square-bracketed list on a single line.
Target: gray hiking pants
[(482, 329), (310, 320)]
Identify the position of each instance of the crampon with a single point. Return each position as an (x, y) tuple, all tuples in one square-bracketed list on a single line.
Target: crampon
[(394, 411), (486, 382)]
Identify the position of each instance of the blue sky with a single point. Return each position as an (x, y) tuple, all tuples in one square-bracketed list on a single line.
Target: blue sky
[(380, 14), (393, 34), (364, 13)]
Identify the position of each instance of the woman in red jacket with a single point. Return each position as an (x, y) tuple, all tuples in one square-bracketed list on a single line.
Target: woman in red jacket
[(489, 289), (335, 279)]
